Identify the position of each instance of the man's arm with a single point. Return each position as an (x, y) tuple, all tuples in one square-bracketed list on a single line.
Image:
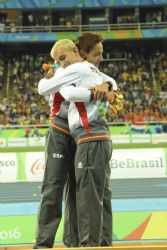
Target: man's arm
[(108, 86), (70, 76), (76, 94), (67, 76), (110, 81)]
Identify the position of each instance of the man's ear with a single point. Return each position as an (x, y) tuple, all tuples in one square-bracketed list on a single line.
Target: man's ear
[(83, 54), (75, 50)]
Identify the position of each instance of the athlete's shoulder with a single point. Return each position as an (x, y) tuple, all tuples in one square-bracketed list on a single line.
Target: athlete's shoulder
[(77, 65), (87, 67), (59, 71), (80, 67)]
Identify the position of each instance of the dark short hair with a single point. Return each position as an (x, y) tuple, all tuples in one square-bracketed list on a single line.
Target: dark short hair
[(87, 40)]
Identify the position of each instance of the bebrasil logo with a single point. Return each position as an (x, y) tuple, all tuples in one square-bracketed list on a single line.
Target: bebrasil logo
[(131, 163)]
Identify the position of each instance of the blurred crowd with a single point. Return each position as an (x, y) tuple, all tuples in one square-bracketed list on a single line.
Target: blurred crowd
[(154, 17), (141, 79), (1, 72), (23, 105)]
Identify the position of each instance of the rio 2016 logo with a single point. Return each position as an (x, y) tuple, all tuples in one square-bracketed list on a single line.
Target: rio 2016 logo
[(10, 234), (37, 166)]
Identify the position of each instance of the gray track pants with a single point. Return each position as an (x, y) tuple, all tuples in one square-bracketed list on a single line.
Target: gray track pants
[(92, 171), (59, 170)]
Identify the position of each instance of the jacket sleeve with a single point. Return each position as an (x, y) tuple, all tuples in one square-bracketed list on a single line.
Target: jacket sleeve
[(109, 79), (68, 76), (75, 94)]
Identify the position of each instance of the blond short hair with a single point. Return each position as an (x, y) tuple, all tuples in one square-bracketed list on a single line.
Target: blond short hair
[(63, 44)]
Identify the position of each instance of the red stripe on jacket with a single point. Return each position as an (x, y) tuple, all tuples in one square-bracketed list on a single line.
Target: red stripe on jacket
[(58, 99), (83, 114)]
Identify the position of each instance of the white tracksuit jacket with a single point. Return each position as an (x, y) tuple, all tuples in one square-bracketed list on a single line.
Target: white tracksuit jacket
[(73, 84)]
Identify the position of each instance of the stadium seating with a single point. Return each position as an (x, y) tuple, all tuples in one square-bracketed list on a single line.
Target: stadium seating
[(135, 73)]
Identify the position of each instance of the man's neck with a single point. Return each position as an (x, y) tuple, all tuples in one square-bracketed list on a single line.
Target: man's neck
[(79, 59)]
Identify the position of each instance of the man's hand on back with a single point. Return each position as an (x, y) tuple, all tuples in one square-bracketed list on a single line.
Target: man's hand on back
[(100, 91)]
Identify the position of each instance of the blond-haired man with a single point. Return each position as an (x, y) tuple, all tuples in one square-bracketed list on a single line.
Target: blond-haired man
[(90, 133)]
